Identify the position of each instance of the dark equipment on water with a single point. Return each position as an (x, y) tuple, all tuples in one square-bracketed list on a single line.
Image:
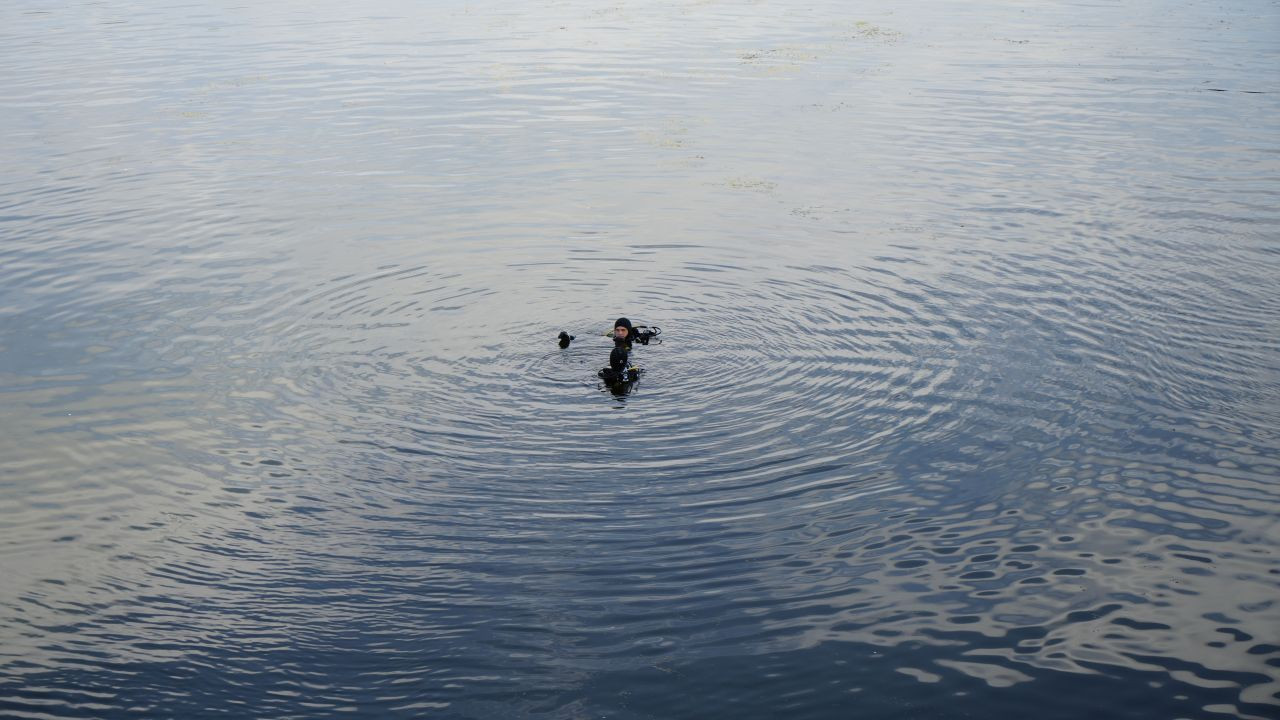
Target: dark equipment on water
[(645, 333), (620, 371), (636, 333)]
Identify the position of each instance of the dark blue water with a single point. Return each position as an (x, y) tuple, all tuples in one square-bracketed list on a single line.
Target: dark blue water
[(967, 402)]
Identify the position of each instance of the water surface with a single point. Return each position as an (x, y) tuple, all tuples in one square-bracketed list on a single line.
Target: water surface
[(968, 403)]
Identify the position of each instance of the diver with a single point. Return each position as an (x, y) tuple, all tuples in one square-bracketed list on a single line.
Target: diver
[(623, 330), (621, 374)]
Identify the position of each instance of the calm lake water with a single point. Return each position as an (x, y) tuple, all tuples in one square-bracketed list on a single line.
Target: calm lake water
[(967, 405)]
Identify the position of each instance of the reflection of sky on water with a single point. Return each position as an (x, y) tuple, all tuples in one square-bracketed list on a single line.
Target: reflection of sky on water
[(970, 357)]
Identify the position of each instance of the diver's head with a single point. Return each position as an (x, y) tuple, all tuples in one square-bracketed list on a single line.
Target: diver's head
[(622, 328), (618, 359)]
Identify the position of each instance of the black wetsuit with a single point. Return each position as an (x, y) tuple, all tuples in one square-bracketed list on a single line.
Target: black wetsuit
[(619, 370), (611, 376), (639, 334)]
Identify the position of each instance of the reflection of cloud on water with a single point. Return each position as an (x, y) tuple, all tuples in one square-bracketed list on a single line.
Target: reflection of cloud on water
[(997, 676), (1064, 581)]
